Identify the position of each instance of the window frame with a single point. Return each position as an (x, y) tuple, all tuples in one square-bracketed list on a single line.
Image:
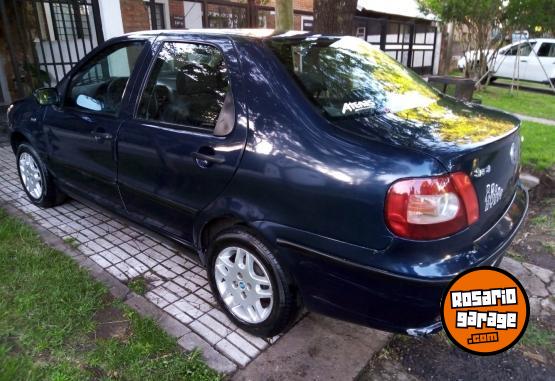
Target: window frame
[(176, 126), (86, 64)]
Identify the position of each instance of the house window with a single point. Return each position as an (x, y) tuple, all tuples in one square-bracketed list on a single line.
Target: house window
[(160, 22), (361, 32), (307, 23), (223, 16), (69, 21)]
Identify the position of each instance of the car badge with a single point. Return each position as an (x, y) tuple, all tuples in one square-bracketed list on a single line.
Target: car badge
[(479, 172)]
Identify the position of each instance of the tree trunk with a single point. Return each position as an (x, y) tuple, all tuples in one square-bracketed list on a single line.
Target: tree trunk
[(446, 52), (284, 15), (334, 16)]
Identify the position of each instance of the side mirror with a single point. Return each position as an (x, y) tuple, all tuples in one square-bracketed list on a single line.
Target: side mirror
[(47, 96)]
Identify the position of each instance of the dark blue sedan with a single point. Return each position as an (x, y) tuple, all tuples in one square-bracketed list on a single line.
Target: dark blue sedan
[(304, 170)]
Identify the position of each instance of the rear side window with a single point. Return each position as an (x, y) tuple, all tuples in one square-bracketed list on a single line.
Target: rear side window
[(187, 86), (100, 84), (547, 50)]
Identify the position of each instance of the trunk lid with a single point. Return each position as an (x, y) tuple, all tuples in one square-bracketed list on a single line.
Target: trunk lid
[(481, 142)]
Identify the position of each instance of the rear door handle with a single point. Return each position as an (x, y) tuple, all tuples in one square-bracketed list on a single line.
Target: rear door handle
[(99, 136), (523, 60), (204, 159)]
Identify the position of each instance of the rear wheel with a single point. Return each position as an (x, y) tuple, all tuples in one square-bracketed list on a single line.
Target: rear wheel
[(249, 283), (35, 179)]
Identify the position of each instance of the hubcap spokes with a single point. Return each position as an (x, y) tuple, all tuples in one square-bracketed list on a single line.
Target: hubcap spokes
[(244, 285), (30, 175)]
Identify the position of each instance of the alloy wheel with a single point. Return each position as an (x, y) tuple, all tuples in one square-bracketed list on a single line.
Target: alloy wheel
[(30, 175), (244, 285)]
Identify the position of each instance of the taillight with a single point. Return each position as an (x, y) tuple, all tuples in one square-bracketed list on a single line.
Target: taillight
[(430, 208)]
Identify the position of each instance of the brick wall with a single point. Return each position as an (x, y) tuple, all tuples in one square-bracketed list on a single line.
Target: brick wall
[(303, 5), (299, 5), (176, 8), (134, 15)]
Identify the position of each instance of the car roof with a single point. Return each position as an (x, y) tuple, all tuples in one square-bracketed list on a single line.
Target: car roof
[(231, 33), (533, 39)]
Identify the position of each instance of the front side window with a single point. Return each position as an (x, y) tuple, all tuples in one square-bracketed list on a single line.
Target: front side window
[(187, 86), (99, 86), (525, 49), (347, 76)]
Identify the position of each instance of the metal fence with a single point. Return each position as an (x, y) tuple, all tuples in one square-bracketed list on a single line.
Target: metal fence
[(46, 38)]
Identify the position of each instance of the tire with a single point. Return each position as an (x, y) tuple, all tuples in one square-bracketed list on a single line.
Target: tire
[(45, 195), (279, 311)]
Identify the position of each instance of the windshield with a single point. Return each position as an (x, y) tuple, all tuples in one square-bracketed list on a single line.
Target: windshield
[(347, 76)]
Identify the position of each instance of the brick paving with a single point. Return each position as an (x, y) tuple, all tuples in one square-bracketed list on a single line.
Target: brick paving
[(176, 283)]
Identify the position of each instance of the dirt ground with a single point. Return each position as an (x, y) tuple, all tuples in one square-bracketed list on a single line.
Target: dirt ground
[(435, 358), (533, 358), (536, 241)]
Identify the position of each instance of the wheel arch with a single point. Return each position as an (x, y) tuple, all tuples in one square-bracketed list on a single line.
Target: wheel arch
[(218, 223), (212, 227), (16, 139)]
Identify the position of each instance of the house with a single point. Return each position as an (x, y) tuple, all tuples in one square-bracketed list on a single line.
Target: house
[(402, 31), (40, 40)]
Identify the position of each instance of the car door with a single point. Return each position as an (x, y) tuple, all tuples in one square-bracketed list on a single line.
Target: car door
[(81, 130), (186, 139), (506, 65), (545, 56)]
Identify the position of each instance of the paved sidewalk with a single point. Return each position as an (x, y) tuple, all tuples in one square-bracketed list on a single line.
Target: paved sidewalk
[(549, 122), (318, 348), (179, 297), (177, 284)]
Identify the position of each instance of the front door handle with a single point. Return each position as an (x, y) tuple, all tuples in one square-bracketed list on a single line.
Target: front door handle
[(204, 159), (100, 136), (523, 60)]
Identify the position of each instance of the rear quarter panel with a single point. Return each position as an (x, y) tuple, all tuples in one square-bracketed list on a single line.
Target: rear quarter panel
[(301, 174)]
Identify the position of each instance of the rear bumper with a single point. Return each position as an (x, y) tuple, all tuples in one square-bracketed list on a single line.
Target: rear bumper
[(397, 301)]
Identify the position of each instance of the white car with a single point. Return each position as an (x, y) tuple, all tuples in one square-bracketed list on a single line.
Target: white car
[(529, 66), (471, 56), (532, 52)]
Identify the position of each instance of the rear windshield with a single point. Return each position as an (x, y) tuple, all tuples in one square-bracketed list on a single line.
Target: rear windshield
[(346, 76)]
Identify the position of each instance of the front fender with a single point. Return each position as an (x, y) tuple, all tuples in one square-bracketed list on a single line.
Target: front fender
[(25, 124)]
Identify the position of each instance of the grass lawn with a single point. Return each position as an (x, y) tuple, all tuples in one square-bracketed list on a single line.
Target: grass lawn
[(538, 146), (57, 323), (521, 102)]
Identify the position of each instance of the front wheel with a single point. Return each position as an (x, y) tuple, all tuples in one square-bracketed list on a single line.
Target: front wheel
[(35, 179), (249, 283)]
